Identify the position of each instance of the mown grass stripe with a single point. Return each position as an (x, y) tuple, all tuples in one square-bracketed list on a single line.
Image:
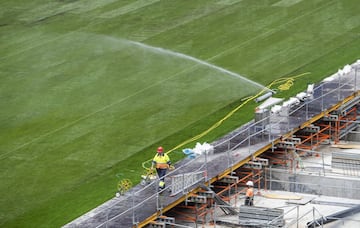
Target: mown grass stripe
[(49, 85), (270, 31)]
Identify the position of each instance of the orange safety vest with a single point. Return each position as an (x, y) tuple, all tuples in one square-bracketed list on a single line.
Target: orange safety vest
[(250, 192), (161, 161)]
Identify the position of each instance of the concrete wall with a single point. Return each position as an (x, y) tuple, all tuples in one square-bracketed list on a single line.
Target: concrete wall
[(314, 184)]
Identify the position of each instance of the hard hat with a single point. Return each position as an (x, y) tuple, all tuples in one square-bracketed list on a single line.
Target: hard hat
[(160, 149), (250, 183)]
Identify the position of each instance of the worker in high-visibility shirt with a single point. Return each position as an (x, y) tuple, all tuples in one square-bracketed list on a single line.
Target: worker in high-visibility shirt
[(249, 200), (162, 163)]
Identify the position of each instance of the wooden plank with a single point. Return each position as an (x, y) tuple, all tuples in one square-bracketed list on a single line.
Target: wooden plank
[(346, 146), (278, 196)]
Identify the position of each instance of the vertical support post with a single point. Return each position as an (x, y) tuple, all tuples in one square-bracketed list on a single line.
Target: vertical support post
[(330, 132), (228, 145), (259, 178), (295, 184), (297, 216), (236, 191), (206, 167), (355, 81), (313, 210), (323, 161), (265, 179), (322, 97), (339, 87), (133, 208), (183, 183), (107, 218), (306, 110), (288, 119), (292, 161), (215, 215), (336, 131), (269, 128), (355, 68), (228, 158), (157, 200), (196, 214), (270, 179), (249, 139), (319, 184)]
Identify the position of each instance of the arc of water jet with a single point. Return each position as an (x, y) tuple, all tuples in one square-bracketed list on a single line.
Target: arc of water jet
[(199, 61)]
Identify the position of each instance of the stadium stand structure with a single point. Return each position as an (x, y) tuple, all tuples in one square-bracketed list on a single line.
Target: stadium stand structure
[(278, 138)]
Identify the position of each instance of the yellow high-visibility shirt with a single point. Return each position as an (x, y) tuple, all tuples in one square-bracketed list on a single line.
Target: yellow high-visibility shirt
[(161, 161)]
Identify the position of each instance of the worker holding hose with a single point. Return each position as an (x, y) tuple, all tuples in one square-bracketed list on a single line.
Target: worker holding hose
[(162, 162)]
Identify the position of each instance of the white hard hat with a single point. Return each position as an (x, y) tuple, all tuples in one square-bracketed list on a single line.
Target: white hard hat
[(249, 183)]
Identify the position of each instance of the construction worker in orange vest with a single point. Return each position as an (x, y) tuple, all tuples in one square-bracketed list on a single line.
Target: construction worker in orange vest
[(249, 200), (162, 162)]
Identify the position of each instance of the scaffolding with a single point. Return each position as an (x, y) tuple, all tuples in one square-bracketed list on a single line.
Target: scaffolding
[(285, 139), (287, 153), (196, 209)]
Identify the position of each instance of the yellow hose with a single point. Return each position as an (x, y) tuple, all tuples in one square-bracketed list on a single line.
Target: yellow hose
[(285, 84)]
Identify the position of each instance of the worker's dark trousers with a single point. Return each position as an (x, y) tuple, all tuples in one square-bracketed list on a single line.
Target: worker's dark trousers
[(161, 173), (249, 201)]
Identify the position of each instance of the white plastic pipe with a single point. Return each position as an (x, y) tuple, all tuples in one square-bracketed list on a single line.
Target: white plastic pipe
[(263, 97)]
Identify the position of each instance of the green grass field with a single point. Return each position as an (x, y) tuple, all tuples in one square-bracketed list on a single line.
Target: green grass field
[(90, 88)]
